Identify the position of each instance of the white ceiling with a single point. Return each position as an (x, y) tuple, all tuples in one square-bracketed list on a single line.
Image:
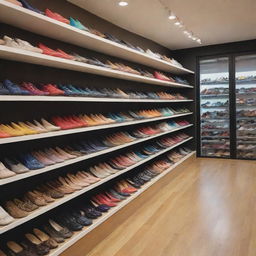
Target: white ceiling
[(213, 21)]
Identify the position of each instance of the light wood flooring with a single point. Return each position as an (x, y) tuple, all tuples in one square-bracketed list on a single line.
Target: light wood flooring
[(206, 207)]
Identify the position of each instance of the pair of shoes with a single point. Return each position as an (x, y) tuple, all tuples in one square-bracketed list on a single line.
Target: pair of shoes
[(56, 53), (20, 44), (56, 16)]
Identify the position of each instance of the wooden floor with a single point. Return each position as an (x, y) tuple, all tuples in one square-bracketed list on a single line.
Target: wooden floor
[(205, 208)]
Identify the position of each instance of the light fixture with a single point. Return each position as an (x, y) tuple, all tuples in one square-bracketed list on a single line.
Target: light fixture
[(171, 16), (185, 32), (123, 3), (177, 23)]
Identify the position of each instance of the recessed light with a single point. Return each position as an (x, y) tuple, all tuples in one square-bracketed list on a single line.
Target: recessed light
[(123, 3), (199, 41), (177, 23), (172, 16), (186, 32)]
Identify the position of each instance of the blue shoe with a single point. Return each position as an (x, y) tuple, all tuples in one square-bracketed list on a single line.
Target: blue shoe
[(77, 24), (142, 156), (3, 90), (75, 91), (28, 6), (30, 162), (67, 91), (14, 88)]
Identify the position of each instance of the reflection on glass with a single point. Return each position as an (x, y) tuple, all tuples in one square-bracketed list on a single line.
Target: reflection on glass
[(214, 107), (246, 106)]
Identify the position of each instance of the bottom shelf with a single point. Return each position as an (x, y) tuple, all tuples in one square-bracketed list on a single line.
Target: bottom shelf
[(86, 230)]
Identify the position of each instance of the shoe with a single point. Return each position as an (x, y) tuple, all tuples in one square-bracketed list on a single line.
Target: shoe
[(17, 250), (16, 2), (14, 88), (32, 243), (14, 210), (5, 218), (48, 126), (33, 89), (26, 5), (27, 46), (4, 172), (77, 24), (63, 231), (3, 90), (56, 16), (31, 162), (15, 166), (45, 239)]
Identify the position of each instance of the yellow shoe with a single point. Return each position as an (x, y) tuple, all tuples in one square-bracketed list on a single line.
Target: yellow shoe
[(29, 130), (8, 129)]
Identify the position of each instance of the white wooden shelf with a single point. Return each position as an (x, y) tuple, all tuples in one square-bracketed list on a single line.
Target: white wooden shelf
[(80, 234), (69, 197), (84, 129), (43, 25), (82, 158), (15, 54), (82, 99)]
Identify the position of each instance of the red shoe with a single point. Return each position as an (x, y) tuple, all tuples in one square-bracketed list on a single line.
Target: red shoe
[(49, 51), (56, 16), (72, 122), (33, 89), (65, 55), (4, 135), (161, 76), (61, 123), (103, 201), (82, 123), (52, 90), (113, 199)]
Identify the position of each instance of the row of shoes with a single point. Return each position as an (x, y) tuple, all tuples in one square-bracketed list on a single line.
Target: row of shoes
[(218, 80), (221, 145), (246, 101), (43, 49), (82, 120), (246, 79), (77, 24), (246, 113), (248, 90), (251, 147), (246, 155), (215, 114), (215, 91), (215, 134), (209, 104), (41, 240), (8, 87), (38, 159), (69, 183), (217, 153)]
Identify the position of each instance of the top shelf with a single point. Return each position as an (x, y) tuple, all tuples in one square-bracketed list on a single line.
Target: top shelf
[(43, 25)]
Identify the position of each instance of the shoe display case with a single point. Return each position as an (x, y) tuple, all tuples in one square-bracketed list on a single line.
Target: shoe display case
[(227, 106), (84, 129), (246, 106), (214, 107)]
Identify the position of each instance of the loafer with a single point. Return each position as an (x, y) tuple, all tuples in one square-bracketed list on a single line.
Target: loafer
[(70, 222)]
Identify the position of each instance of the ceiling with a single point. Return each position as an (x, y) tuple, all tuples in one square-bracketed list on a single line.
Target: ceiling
[(213, 21)]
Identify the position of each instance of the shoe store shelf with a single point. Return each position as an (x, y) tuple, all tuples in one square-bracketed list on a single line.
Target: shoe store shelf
[(69, 197), (43, 25), (112, 211), (82, 99), (15, 54), (84, 129), (85, 157)]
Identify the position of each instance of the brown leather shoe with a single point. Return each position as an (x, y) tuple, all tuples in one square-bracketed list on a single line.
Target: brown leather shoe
[(14, 210), (45, 239), (26, 205), (35, 199)]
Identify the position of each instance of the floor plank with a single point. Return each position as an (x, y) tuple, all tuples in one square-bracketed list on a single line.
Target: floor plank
[(207, 208)]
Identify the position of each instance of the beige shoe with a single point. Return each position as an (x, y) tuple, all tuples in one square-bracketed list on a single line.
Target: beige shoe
[(4, 172), (27, 46), (14, 210), (5, 218), (48, 126)]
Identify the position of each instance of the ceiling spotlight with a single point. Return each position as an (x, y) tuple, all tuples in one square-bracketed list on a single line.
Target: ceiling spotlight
[(171, 16), (193, 38), (177, 23), (180, 25), (123, 3), (199, 41), (185, 32)]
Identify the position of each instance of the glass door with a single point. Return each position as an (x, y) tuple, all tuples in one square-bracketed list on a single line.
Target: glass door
[(246, 106), (214, 107)]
